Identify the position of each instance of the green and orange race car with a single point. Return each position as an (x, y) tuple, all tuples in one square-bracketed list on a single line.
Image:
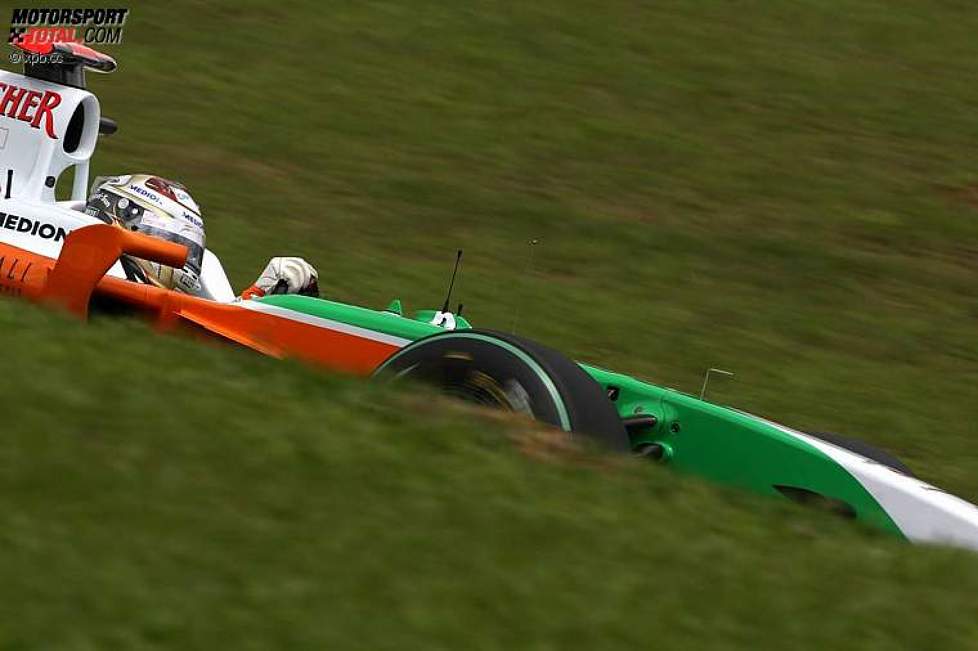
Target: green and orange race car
[(53, 253)]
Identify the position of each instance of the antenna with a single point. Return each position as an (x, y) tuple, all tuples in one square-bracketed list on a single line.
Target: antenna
[(451, 285), (706, 379), (526, 274)]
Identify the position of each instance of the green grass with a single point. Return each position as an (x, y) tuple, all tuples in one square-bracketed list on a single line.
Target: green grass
[(785, 190), (142, 506)]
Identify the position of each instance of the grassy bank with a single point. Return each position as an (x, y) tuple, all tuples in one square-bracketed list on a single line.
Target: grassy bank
[(160, 493)]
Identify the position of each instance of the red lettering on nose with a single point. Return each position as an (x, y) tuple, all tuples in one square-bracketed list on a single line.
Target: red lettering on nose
[(30, 101), (18, 103), (50, 100), (11, 100)]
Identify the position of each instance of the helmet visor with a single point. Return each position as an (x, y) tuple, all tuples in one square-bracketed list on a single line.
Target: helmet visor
[(114, 209), (177, 231)]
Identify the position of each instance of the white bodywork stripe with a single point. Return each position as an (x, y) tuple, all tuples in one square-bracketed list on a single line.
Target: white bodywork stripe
[(924, 513), (329, 324)]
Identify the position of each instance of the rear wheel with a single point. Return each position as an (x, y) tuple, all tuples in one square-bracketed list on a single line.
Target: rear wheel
[(866, 450), (512, 373)]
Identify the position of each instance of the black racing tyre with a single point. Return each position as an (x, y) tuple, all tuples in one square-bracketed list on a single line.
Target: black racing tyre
[(864, 449), (508, 372)]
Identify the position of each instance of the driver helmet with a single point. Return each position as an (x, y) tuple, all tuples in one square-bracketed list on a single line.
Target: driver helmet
[(153, 206)]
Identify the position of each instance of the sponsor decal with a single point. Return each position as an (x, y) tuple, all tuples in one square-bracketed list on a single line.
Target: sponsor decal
[(12, 278), (181, 196), (32, 227), (143, 192), (192, 218), (34, 26), (173, 191), (31, 106)]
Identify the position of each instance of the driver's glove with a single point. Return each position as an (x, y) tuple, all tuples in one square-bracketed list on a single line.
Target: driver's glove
[(285, 276)]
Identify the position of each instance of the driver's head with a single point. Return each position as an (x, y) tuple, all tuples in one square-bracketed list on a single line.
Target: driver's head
[(153, 206)]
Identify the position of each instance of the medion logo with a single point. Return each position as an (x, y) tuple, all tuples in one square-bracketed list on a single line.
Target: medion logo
[(33, 227), (29, 106), (143, 192)]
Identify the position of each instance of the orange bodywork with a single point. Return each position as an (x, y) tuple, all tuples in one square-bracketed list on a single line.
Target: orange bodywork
[(88, 253)]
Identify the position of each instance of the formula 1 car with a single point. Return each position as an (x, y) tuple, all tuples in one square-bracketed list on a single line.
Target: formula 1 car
[(53, 253)]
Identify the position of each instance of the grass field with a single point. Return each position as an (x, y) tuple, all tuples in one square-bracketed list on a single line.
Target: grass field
[(785, 190)]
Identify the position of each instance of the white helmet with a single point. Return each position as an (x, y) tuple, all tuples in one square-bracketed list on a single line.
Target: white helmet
[(154, 206)]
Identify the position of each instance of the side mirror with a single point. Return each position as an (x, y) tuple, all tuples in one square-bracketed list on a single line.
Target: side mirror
[(107, 126)]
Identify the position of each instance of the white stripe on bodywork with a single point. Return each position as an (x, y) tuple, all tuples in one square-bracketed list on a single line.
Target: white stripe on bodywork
[(329, 324), (924, 513)]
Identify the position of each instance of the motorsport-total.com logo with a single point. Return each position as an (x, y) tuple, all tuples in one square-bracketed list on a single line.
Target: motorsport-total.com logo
[(39, 25)]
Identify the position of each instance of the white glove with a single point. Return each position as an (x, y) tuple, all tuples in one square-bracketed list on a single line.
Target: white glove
[(444, 320), (297, 274)]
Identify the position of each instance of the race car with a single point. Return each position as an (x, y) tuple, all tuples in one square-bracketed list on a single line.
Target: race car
[(53, 253)]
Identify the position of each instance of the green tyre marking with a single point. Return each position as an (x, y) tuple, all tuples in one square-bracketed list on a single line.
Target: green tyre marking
[(521, 354)]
